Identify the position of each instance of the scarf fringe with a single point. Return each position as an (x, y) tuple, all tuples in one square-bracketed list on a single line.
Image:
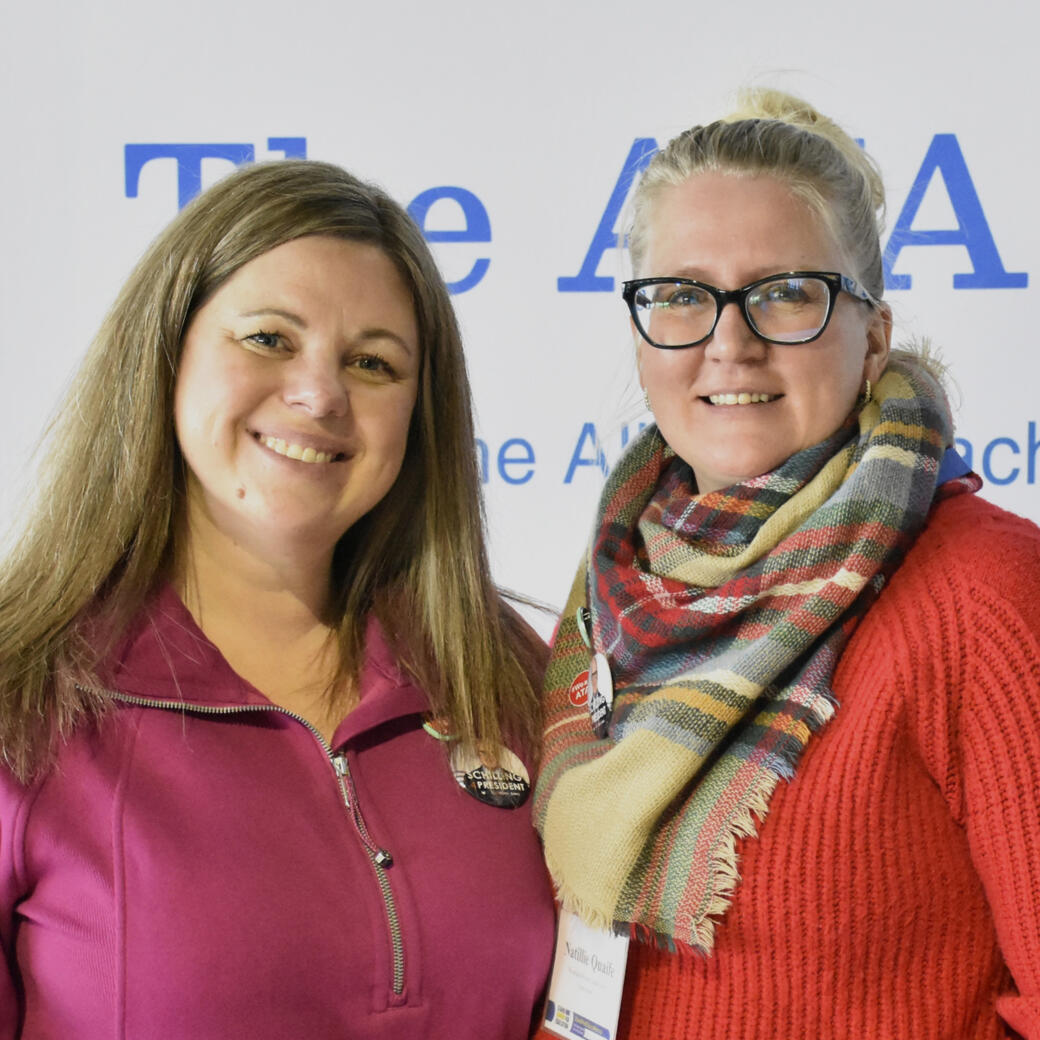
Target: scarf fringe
[(724, 861), (723, 864), (570, 901)]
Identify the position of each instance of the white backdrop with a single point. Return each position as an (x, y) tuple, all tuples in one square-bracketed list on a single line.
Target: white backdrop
[(528, 113)]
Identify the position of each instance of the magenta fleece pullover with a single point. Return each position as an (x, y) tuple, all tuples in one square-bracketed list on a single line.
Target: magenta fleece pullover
[(202, 865)]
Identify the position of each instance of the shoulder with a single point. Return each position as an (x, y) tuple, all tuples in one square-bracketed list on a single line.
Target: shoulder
[(954, 642), (969, 543), (961, 614)]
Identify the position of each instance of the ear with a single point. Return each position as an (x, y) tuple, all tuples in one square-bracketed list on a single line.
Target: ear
[(879, 342)]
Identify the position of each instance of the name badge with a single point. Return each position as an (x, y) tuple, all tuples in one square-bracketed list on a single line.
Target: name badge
[(588, 977)]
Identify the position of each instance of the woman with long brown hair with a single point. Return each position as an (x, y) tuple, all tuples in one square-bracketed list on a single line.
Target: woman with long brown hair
[(263, 714)]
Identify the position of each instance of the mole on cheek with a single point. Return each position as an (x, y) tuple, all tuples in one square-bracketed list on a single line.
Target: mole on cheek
[(240, 492)]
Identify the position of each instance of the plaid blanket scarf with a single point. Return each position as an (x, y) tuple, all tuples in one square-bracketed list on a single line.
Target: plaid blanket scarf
[(722, 619)]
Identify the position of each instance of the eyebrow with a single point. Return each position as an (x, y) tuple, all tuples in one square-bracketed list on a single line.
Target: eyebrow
[(289, 316), (696, 274), (381, 333), (295, 319)]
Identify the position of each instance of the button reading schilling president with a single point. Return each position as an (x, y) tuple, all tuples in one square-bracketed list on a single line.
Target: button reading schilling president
[(505, 786)]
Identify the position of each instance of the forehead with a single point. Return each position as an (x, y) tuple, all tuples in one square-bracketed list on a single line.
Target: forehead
[(735, 225), (323, 275), (322, 262)]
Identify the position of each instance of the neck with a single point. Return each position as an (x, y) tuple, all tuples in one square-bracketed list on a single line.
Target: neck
[(267, 613), (219, 569)]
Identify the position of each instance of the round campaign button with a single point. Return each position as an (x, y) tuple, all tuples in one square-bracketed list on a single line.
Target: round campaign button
[(578, 694), (505, 786), (601, 694)]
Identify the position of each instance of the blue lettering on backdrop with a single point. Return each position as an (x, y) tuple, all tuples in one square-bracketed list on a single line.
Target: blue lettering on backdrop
[(483, 458), (189, 164), (586, 280), (525, 458), (515, 459), (987, 456), (290, 147), (1007, 446), (587, 438), (626, 433), (506, 460), (189, 158), (477, 227), (1001, 461), (944, 155)]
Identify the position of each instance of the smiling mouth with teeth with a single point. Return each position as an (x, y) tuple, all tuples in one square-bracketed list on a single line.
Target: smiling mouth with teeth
[(742, 398), (294, 451)]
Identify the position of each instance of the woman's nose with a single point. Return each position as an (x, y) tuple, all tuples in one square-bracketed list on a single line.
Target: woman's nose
[(733, 338), (316, 384)]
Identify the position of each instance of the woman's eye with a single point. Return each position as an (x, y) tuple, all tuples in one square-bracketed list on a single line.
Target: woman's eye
[(669, 297), (374, 364), (686, 297), (785, 292), (264, 340)]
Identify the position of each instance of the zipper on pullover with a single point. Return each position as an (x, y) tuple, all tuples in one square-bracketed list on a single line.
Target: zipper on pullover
[(380, 859)]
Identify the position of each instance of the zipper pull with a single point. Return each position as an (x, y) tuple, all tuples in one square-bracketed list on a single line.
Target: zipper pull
[(339, 763), (381, 857)]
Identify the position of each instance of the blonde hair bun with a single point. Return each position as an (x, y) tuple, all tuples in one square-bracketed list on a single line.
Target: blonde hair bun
[(770, 103)]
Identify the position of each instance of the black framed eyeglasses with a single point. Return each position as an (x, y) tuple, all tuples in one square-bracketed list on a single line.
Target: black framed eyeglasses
[(788, 308)]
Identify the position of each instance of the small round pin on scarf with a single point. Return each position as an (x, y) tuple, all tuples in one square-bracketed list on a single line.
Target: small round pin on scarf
[(600, 693)]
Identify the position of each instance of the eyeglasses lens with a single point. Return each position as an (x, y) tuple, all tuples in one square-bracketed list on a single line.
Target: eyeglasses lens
[(674, 314), (789, 310)]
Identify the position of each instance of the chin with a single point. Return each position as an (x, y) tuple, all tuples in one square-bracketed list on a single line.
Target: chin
[(714, 477)]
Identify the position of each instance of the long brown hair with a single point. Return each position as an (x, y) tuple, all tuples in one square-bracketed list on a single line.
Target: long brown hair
[(101, 533)]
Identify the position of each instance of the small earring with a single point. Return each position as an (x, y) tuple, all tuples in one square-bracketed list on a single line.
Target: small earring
[(867, 396), (646, 400)]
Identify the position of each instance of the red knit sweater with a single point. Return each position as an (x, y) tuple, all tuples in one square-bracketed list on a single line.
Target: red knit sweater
[(894, 888)]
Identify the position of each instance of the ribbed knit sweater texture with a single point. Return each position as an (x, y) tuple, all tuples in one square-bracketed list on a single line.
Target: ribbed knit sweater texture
[(893, 890)]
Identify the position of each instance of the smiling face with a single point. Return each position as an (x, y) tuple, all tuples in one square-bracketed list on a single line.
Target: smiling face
[(294, 394), (736, 406)]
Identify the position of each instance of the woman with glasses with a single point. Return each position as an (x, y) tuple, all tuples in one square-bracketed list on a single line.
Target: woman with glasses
[(257, 690), (802, 768)]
